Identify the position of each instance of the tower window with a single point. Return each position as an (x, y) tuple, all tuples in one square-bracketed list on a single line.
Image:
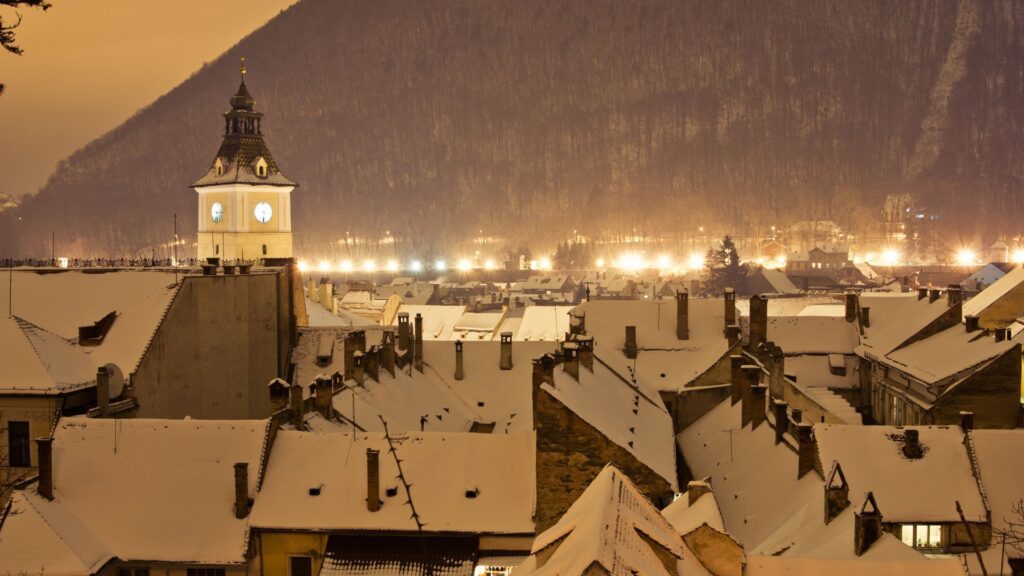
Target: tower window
[(216, 248), (261, 168), (218, 167), (264, 249)]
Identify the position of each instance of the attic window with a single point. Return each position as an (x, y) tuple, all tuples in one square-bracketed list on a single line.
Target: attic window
[(218, 167), (261, 167)]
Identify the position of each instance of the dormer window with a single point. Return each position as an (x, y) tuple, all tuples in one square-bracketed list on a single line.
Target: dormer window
[(261, 168), (218, 167)]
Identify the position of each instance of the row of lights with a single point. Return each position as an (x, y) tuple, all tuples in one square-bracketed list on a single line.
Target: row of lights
[(963, 257), (370, 265)]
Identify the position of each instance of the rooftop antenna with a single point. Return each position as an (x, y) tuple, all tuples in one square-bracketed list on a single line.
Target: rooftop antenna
[(175, 262)]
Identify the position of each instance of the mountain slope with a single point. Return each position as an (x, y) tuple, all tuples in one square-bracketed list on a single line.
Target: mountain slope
[(442, 122)]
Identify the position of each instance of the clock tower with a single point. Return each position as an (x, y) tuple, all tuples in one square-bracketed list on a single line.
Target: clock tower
[(244, 199)]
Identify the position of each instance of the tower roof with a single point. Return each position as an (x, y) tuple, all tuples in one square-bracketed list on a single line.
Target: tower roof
[(243, 156)]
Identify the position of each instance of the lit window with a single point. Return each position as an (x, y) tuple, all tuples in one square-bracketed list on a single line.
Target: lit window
[(218, 166), (261, 167), (922, 535)]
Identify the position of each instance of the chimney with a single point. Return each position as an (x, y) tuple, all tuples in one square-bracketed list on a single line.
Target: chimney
[(966, 421), (758, 321), (359, 368), (912, 444), (403, 330), (851, 306), (459, 373), (209, 269), (295, 405), (417, 357), (387, 351), (1002, 334), (326, 293), (629, 348), (922, 293), (805, 448), (278, 390), (837, 492), (757, 396), (372, 480), (323, 396), (45, 449), (571, 362), (798, 415), (505, 360), (697, 488), (865, 316), (241, 489), (103, 391), (682, 316), (586, 352), (954, 295), (350, 349), (732, 334), (776, 370), (730, 307), (372, 363), (971, 323), (543, 371), (781, 420), (750, 376), (933, 295), (360, 338), (735, 378), (867, 525), (325, 349)]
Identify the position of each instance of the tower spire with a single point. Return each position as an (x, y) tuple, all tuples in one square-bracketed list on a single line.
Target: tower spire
[(241, 68)]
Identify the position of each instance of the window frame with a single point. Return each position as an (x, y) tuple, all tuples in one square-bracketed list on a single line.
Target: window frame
[(23, 448), (293, 557)]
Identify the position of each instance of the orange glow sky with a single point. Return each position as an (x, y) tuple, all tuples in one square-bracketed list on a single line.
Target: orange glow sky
[(90, 64)]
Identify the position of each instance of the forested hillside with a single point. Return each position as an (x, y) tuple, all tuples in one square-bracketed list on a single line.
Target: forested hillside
[(528, 119)]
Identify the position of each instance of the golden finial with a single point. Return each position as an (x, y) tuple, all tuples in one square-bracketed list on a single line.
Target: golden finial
[(241, 68)]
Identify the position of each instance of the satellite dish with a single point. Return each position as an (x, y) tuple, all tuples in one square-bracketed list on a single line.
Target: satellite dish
[(115, 380)]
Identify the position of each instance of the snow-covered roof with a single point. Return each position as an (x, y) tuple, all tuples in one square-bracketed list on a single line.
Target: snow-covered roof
[(907, 490), (442, 468), (686, 518), (813, 334), (1000, 458), (632, 416), (438, 321), (608, 525), (832, 310), (546, 282), (917, 564), (548, 323), (949, 353), (477, 325), (41, 537), (986, 276), (779, 282), (784, 306), (989, 296), (163, 477), (320, 317), (814, 371), (663, 360), (895, 326), (50, 307)]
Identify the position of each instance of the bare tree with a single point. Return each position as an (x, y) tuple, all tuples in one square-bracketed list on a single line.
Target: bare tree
[(7, 39)]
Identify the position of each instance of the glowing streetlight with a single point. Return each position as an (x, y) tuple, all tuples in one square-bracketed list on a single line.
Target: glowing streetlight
[(346, 265), (303, 266), (1018, 256), (325, 265), (664, 261), (416, 266), (545, 264), (966, 257), (392, 265), (465, 265), (600, 262), (369, 265), (489, 265), (890, 257), (695, 261), (440, 265), (631, 261)]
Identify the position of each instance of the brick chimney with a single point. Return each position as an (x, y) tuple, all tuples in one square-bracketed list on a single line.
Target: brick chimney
[(629, 348), (805, 448), (851, 306), (327, 294), (372, 480), (586, 351), (505, 360), (697, 488), (350, 348), (103, 391), (933, 294), (751, 376), (1001, 334), (781, 419), (387, 351), (372, 363), (954, 295), (837, 492), (295, 405), (359, 368), (729, 297), (867, 525), (324, 396), (44, 447), (682, 316), (459, 373), (758, 321), (970, 323), (242, 505), (543, 371), (865, 316), (912, 444), (776, 361), (418, 353), (403, 330), (732, 334), (735, 378), (758, 407), (571, 359), (966, 421)]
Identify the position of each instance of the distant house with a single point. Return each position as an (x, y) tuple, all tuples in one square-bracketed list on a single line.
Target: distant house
[(769, 281), (998, 305), (548, 284), (818, 262), (986, 276)]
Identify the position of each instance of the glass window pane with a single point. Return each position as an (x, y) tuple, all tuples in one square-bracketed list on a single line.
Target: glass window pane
[(935, 536), (908, 535)]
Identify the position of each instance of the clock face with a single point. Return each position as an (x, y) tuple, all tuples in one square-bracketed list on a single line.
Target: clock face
[(263, 212), (217, 212)]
